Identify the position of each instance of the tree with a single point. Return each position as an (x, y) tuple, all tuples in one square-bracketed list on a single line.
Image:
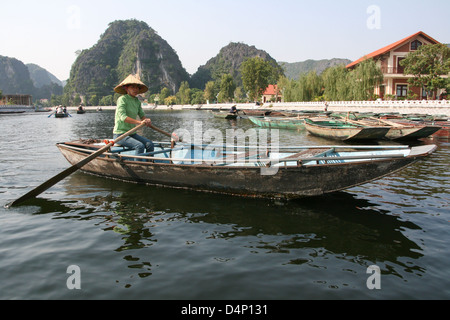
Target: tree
[(227, 88), (256, 73), (170, 101), (313, 86), (210, 92), (336, 83), (364, 79), (55, 100), (165, 92), (93, 100), (428, 64), (287, 88), (239, 95), (184, 93), (197, 96), (107, 100), (77, 100)]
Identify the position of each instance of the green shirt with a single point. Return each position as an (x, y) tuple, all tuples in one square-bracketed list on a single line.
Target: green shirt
[(127, 106)]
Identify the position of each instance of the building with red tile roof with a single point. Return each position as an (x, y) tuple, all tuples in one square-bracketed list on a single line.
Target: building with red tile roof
[(389, 57), (272, 94)]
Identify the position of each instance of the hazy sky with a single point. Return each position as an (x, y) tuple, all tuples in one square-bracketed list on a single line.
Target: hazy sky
[(49, 32)]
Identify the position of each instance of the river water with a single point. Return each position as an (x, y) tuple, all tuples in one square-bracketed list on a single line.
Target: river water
[(130, 241)]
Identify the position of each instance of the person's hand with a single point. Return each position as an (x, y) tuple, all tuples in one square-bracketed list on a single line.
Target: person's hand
[(175, 137), (147, 122)]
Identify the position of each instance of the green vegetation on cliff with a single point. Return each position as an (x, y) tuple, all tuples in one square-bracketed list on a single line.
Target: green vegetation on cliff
[(126, 47), (229, 61)]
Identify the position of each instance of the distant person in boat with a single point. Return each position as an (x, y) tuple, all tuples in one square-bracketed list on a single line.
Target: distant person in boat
[(233, 110), (129, 108)]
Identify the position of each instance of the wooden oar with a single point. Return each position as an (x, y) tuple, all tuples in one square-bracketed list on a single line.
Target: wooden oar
[(163, 132), (49, 183)]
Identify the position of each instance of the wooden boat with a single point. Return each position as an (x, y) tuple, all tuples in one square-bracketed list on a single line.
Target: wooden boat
[(444, 132), (280, 123), (399, 130), (340, 130), (10, 109), (61, 115), (419, 130), (285, 172), (225, 115), (256, 112)]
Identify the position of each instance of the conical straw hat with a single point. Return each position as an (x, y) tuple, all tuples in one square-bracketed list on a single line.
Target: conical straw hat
[(131, 79)]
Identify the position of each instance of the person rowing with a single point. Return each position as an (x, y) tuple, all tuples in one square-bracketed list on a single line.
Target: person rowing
[(129, 108)]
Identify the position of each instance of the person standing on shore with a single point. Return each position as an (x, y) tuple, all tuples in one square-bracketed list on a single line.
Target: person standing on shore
[(129, 113)]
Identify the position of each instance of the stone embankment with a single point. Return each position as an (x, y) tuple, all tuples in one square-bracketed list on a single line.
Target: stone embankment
[(425, 107)]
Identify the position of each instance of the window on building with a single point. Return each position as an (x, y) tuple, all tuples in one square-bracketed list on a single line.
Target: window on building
[(402, 90), (415, 45)]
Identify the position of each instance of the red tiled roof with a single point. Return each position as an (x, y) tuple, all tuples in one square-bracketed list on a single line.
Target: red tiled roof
[(271, 90), (391, 47)]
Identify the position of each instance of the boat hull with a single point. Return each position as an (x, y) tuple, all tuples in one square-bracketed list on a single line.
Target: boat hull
[(284, 182), (349, 133), (411, 133)]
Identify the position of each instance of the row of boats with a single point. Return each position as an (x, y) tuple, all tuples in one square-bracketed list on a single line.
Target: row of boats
[(354, 127)]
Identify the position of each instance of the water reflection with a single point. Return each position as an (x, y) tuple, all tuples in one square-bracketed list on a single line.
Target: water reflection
[(334, 225)]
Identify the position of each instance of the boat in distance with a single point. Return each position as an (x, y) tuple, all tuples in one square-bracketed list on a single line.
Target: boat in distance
[(279, 123), (284, 172), (225, 115)]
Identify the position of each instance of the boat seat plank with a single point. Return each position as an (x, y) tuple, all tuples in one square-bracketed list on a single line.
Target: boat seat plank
[(308, 153), (229, 159)]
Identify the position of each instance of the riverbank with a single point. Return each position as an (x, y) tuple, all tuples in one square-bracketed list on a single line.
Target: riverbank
[(436, 107)]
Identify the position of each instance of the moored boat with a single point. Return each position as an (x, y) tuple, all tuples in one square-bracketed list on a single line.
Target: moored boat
[(256, 112), (10, 109), (341, 130), (281, 172), (411, 130), (399, 130), (225, 115), (280, 123), (444, 132)]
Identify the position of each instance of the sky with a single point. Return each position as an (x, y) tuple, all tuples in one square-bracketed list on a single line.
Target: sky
[(49, 32)]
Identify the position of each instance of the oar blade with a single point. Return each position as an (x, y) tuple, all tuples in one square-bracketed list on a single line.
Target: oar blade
[(43, 187), (60, 176)]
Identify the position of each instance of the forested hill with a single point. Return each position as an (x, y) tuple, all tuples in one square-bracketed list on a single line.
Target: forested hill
[(42, 77), (126, 47), (294, 70), (14, 77), (229, 61), (18, 78)]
